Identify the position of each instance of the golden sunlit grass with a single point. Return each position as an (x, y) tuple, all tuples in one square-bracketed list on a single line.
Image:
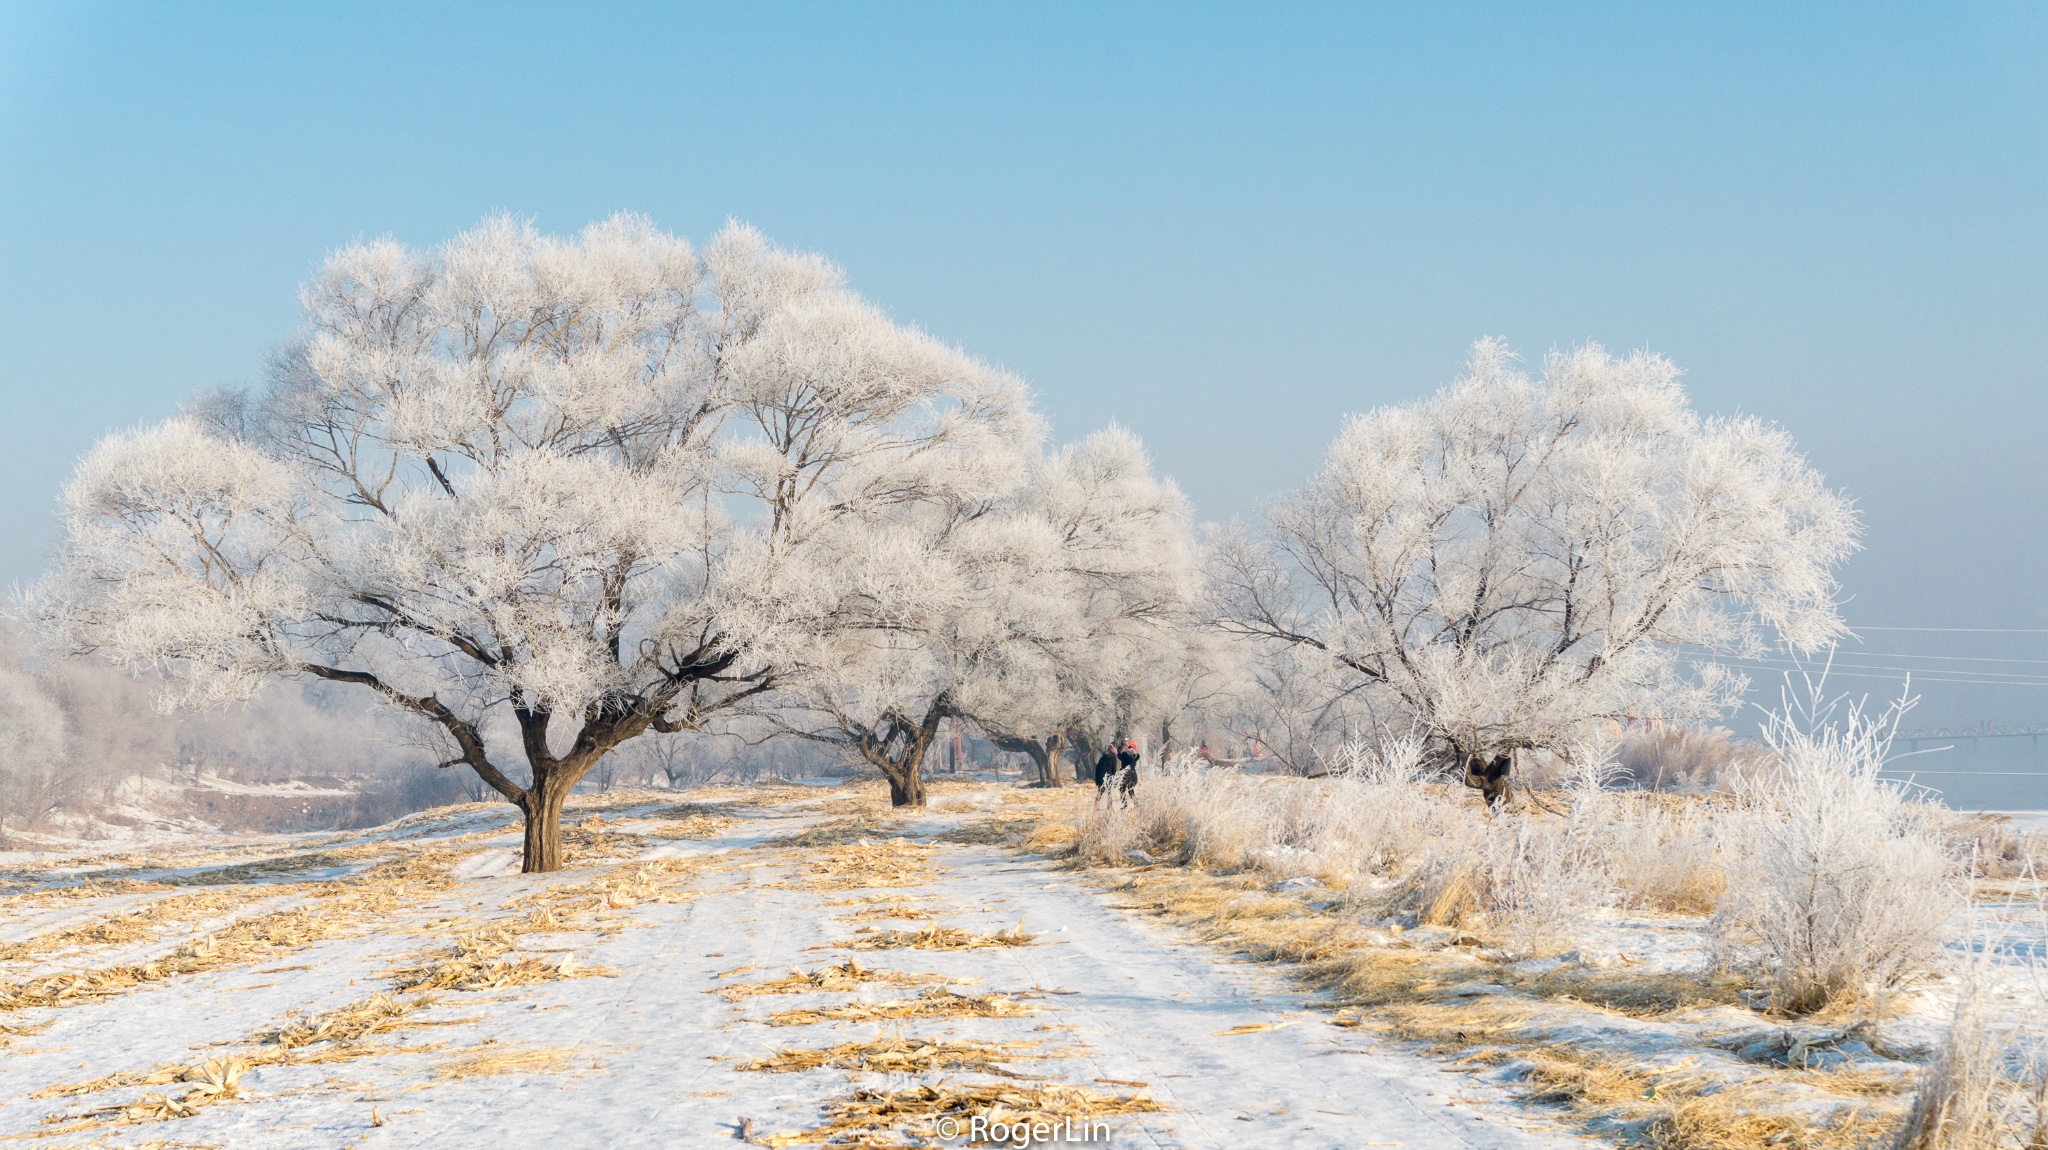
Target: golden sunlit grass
[(1460, 1003), (935, 937), (691, 821), (866, 863), (213, 1081), (1684, 1110), (919, 1108), (887, 909), (1053, 839), (589, 842), (337, 908), (142, 924), (901, 1056), (552, 1060), (38, 896), (996, 831), (340, 1035), (936, 1002), (848, 975), (488, 959), (839, 832)]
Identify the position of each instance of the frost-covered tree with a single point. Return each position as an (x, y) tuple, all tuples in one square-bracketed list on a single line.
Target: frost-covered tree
[(1100, 617), (913, 616), (1516, 558), (35, 771), (603, 486), (1017, 611)]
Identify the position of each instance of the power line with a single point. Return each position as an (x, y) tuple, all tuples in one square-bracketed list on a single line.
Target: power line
[(1998, 774), (1898, 674), (1819, 668), (1965, 630), (1943, 658)]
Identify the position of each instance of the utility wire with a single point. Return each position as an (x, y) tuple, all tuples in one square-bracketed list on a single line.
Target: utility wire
[(1943, 658), (1901, 675), (1998, 774), (1965, 630)]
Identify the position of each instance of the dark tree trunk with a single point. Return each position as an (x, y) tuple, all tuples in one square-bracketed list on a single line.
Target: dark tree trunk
[(1085, 753), (899, 748), (543, 845), (906, 790), (1044, 754), (542, 806)]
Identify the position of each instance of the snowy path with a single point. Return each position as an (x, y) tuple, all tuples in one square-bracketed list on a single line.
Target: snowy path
[(654, 1061)]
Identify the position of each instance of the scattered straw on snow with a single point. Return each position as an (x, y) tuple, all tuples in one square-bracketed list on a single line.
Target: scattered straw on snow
[(934, 1003), (919, 1108), (848, 975), (936, 937), (901, 1056)]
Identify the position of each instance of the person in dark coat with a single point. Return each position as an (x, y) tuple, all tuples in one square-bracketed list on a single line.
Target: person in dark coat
[(1105, 766), (1127, 777)]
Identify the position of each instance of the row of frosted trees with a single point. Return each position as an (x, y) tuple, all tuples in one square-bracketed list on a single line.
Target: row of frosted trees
[(547, 496)]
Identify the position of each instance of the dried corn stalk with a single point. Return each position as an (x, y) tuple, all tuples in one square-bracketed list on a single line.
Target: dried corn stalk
[(919, 1108), (901, 1056), (937, 1002), (847, 975), (936, 937)]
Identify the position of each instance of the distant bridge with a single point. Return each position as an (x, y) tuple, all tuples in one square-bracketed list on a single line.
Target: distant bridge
[(1913, 739)]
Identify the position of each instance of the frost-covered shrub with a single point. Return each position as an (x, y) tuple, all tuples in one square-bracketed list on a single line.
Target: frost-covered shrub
[(1418, 848), (1986, 1085), (1531, 880), (1664, 855), (1687, 760), (1996, 849), (1841, 885), (1369, 819)]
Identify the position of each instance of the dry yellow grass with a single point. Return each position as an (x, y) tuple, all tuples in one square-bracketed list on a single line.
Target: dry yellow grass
[(1000, 830), (901, 1056), (1429, 995), (1680, 1111), (551, 1060), (339, 908), (488, 959), (937, 1002), (936, 937), (658, 881), (866, 863), (142, 924), (691, 821), (35, 895), (1053, 839), (848, 975), (887, 909), (589, 842), (213, 1081), (349, 1025), (341, 1034), (839, 832), (851, 1120)]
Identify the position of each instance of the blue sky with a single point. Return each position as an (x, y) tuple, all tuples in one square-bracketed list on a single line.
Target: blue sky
[(1224, 227)]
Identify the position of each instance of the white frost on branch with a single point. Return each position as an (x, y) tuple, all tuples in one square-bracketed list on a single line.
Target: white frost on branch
[(1515, 558), (608, 484)]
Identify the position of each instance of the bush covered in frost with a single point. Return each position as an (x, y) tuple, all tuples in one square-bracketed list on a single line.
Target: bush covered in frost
[(1842, 884)]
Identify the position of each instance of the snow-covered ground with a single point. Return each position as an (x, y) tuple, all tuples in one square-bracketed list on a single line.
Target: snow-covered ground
[(611, 970)]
